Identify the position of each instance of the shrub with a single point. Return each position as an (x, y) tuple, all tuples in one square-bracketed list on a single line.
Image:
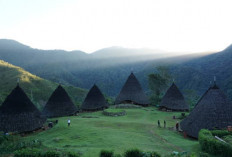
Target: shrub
[(73, 154), (213, 146), (220, 133), (11, 143), (28, 152), (203, 154), (106, 153), (151, 154), (51, 153), (133, 153), (3, 138)]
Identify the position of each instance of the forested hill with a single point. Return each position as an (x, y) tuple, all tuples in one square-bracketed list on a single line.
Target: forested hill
[(197, 73), (37, 89), (110, 67), (107, 67)]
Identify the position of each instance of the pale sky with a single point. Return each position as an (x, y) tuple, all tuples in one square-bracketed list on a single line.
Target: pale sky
[(89, 25)]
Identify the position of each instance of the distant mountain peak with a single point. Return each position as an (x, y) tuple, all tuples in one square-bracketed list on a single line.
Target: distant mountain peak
[(12, 44)]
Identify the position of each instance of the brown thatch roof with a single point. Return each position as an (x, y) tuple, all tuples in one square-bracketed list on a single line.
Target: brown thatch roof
[(132, 91), (94, 100), (18, 113), (213, 111), (59, 104), (174, 100)]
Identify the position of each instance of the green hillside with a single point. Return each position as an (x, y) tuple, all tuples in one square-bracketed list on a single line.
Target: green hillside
[(38, 89)]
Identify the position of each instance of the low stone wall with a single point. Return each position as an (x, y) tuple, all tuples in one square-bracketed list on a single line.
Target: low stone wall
[(114, 114)]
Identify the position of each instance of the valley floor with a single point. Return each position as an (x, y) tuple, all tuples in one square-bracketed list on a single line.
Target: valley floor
[(89, 133)]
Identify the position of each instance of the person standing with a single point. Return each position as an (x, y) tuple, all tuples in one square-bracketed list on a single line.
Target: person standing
[(158, 123), (164, 124), (69, 121), (177, 126)]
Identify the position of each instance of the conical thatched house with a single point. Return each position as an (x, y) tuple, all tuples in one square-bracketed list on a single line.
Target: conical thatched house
[(174, 100), (213, 111), (18, 113), (94, 100), (59, 104), (132, 93)]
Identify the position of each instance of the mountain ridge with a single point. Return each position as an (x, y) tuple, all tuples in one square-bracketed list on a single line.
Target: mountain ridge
[(192, 71), (36, 88)]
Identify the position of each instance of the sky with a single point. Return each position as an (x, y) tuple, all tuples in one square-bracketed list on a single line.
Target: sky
[(88, 25)]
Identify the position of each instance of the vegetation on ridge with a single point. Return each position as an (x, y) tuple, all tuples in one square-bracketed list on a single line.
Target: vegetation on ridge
[(36, 88)]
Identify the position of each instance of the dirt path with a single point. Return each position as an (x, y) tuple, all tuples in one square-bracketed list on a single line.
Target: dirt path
[(166, 142)]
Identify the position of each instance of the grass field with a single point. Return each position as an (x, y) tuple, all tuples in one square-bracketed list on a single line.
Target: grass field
[(91, 132)]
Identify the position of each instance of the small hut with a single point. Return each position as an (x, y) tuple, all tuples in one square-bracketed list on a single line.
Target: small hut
[(213, 111), (94, 100), (132, 93), (19, 114), (174, 100), (59, 104)]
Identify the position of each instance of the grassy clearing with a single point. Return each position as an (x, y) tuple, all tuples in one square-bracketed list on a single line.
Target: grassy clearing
[(114, 110), (137, 129)]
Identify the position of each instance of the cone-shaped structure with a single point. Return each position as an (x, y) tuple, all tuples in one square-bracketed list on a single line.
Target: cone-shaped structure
[(174, 100), (18, 113), (59, 104), (213, 111), (94, 100), (132, 92)]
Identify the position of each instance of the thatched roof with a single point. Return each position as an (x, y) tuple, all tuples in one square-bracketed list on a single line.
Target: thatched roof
[(132, 91), (94, 100), (213, 111), (59, 104), (174, 100), (18, 113)]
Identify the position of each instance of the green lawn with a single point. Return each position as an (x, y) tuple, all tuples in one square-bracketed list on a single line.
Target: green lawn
[(114, 110), (137, 129)]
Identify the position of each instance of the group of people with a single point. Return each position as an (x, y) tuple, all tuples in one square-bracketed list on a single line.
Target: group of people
[(177, 125), (160, 125)]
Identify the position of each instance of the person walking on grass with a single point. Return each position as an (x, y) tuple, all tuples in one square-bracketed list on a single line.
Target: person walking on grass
[(69, 121), (164, 124)]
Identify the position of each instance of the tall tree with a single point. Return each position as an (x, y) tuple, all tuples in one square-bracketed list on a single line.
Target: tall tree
[(158, 82)]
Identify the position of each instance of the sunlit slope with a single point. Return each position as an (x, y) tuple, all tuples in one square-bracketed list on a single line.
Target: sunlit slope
[(91, 132), (38, 89)]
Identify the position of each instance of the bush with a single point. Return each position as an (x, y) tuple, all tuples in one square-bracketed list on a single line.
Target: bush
[(133, 153), (73, 154), (28, 152), (213, 146), (34, 152), (220, 133), (11, 143), (202, 154), (3, 138), (51, 153), (106, 153), (151, 154)]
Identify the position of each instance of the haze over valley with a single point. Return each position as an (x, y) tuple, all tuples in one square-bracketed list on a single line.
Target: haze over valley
[(77, 68)]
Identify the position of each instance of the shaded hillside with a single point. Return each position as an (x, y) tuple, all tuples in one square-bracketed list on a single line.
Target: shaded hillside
[(107, 67), (197, 73), (37, 89)]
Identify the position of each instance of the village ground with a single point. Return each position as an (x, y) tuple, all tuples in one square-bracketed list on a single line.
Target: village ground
[(89, 133)]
